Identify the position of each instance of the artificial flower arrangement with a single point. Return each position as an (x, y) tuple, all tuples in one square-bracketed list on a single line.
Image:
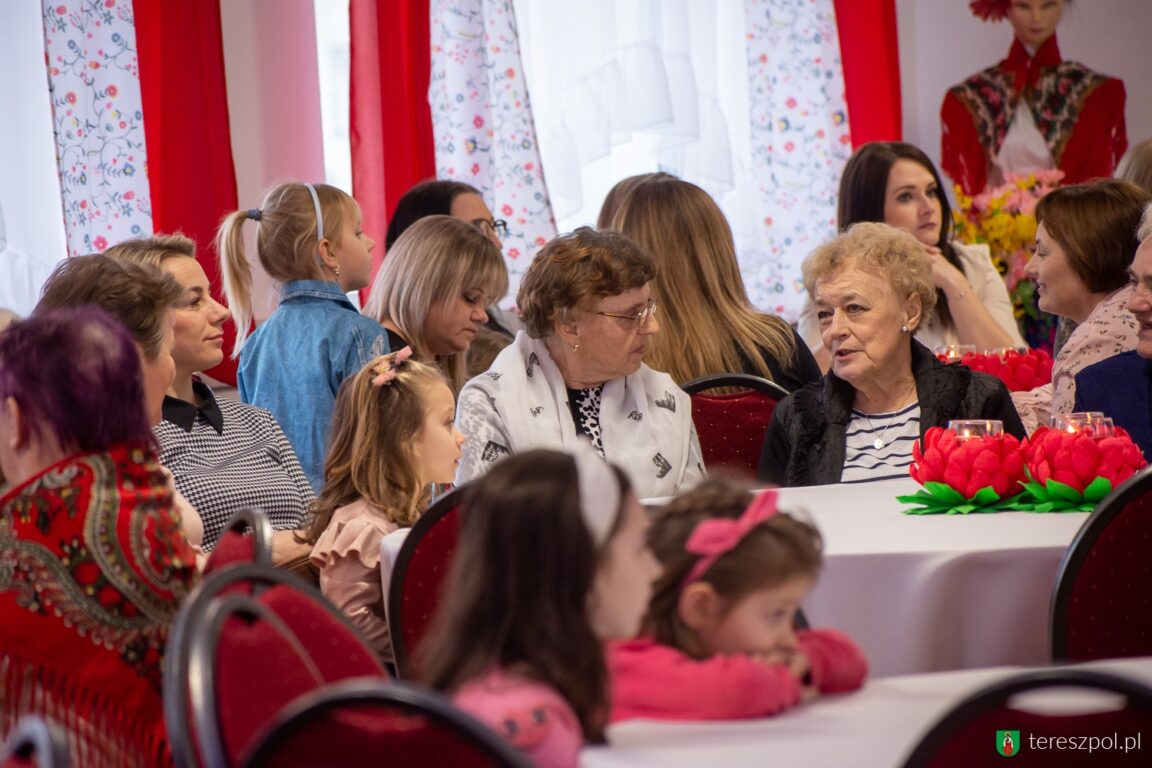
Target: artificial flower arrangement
[(1004, 217), (1020, 370), (1052, 471)]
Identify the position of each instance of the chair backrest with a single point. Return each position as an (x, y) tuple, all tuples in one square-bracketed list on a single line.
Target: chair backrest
[(418, 577), (731, 425), (251, 639), (1102, 602), (401, 723), (247, 538), (35, 743), (973, 732)]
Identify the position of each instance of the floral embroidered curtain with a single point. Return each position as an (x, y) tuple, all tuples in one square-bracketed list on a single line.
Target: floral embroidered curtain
[(800, 141), (97, 115), (482, 121)]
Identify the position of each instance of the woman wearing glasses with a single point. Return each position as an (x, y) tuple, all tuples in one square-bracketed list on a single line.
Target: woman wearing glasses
[(577, 371), (433, 290)]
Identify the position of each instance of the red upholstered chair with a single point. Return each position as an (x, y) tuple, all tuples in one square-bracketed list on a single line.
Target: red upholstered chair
[(967, 734), (250, 640), (731, 425), (1102, 603), (418, 577), (246, 539), (35, 743), (403, 724)]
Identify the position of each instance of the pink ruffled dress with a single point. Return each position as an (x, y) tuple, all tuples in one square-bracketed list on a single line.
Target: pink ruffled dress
[(348, 556)]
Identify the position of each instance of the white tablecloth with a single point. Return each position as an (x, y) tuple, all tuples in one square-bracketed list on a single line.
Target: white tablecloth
[(875, 726), (925, 593)]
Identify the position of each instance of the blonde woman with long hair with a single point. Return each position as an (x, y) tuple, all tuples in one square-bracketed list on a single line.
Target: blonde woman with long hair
[(709, 325), (433, 290)]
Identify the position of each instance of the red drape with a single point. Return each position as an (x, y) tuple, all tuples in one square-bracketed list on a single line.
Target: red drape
[(190, 171), (391, 124), (870, 54)]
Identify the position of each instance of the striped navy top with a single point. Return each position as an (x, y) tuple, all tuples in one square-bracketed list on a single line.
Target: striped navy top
[(898, 432)]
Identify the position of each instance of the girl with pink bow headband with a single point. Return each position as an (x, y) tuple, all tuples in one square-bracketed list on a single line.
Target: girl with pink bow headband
[(719, 640)]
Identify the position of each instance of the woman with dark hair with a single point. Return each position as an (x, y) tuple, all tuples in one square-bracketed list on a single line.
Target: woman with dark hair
[(897, 184), (577, 372), (552, 561), (443, 197), (1086, 239), (95, 565)]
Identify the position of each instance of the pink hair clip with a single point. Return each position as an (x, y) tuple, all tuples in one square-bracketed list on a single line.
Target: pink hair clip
[(385, 367), (712, 538)]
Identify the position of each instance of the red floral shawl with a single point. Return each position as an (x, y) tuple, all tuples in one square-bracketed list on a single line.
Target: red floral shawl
[(1080, 114), (93, 567)]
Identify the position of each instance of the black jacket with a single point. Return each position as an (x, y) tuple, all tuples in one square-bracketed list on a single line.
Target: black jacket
[(805, 441)]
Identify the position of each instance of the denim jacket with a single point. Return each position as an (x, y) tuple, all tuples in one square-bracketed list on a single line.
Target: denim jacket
[(294, 362)]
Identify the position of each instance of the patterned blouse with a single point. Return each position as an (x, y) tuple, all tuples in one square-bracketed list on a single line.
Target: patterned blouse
[(1109, 330)]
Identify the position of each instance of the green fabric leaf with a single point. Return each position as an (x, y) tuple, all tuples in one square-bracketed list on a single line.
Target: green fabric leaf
[(1059, 490), (1098, 489), (985, 496), (945, 493)]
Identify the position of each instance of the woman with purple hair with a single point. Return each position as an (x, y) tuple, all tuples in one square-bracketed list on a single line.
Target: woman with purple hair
[(95, 562)]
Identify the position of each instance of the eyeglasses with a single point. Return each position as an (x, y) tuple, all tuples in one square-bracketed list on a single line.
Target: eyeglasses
[(640, 317), (499, 226)]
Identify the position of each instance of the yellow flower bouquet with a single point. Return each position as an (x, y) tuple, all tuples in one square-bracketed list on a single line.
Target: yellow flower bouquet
[(1004, 217)]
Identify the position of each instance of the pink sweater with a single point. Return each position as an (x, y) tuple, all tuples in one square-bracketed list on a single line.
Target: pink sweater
[(658, 681), (532, 716)]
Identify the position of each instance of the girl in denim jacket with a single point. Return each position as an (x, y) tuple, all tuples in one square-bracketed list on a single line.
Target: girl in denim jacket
[(309, 239)]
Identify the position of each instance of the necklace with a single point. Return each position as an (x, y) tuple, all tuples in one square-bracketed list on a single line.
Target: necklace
[(879, 442)]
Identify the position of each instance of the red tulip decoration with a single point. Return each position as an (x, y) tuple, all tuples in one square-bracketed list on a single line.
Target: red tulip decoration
[(962, 475), (1072, 471), (1020, 371)]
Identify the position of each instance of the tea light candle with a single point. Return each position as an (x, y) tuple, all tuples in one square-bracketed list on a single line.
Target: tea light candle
[(952, 352), (969, 429)]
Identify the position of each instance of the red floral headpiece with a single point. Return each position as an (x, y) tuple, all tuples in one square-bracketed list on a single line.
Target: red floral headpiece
[(989, 10)]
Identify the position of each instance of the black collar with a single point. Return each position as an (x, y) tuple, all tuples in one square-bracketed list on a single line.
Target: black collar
[(183, 414)]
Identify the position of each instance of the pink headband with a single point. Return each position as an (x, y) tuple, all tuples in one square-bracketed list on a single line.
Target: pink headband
[(385, 367), (713, 538)]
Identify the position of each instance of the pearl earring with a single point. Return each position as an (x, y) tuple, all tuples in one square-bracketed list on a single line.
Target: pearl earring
[(903, 329)]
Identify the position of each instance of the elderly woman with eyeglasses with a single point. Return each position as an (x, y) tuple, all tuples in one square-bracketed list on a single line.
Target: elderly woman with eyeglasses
[(577, 372)]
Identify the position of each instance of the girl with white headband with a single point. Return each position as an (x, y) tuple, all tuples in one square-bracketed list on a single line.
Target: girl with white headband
[(719, 641), (309, 239), (552, 561)]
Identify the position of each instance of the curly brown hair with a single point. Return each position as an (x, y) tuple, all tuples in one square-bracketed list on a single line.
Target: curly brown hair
[(576, 270)]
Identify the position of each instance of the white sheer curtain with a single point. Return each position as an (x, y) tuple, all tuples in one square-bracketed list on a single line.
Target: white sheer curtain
[(634, 86), (31, 219)]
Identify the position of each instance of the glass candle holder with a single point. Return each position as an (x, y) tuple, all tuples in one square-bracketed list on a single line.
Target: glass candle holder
[(1092, 423), (970, 429), (952, 352)]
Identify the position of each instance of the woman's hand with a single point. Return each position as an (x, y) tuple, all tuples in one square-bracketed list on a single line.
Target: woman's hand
[(945, 275)]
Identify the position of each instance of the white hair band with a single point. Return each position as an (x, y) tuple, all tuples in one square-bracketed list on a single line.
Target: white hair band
[(319, 214)]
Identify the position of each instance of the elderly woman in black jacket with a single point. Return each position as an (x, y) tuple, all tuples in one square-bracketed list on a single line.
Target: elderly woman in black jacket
[(872, 286)]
